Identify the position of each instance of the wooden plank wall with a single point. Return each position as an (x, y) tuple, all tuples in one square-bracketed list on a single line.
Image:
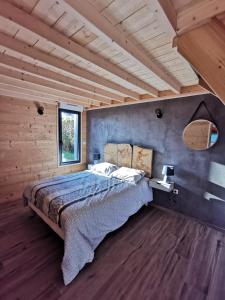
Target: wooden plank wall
[(28, 146)]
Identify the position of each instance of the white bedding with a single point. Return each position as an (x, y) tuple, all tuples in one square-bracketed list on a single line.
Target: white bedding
[(87, 206), (128, 174), (104, 168), (84, 234)]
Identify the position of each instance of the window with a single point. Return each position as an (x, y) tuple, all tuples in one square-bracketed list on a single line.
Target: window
[(69, 136)]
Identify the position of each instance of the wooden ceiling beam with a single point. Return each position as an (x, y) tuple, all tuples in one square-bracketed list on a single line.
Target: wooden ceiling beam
[(204, 49), (103, 28), (6, 79), (12, 91), (69, 46), (187, 91), (198, 12), (192, 90), (67, 81), (71, 92), (205, 85), (40, 90), (28, 97), (38, 55)]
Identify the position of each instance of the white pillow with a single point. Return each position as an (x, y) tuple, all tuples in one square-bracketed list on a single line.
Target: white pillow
[(104, 168), (128, 174)]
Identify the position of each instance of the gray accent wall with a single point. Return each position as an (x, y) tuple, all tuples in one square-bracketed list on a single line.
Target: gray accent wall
[(199, 175)]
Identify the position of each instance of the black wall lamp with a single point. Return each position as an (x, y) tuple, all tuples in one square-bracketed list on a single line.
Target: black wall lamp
[(40, 109), (158, 113)]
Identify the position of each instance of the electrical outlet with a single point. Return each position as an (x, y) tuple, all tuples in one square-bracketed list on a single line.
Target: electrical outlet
[(176, 191)]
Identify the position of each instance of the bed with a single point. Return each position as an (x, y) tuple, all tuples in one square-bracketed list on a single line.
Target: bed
[(82, 208)]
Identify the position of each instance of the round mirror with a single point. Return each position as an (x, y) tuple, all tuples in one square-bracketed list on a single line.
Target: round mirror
[(200, 135)]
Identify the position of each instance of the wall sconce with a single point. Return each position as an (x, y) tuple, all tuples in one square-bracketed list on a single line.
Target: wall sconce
[(158, 113), (40, 108)]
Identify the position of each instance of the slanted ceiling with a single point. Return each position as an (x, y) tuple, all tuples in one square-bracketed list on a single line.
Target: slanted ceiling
[(201, 40), (96, 53)]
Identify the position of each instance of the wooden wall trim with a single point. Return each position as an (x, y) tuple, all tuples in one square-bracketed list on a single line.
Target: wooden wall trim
[(164, 95)]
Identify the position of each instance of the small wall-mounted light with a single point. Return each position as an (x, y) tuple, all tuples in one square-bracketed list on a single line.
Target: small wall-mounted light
[(96, 158), (158, 113), (40, 110)]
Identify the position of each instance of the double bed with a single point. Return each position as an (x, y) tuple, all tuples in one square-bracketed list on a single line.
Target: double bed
[(82, 208)]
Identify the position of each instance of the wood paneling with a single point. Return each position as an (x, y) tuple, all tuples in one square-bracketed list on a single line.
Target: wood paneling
[(55, 62), (127, 52), (198, 12), (103, 27), (28, 145), (67, 81), (204, 48), (155, 255), (67, 45)]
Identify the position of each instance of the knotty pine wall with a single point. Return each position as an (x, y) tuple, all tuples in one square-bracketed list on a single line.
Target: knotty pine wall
[(28, 146)]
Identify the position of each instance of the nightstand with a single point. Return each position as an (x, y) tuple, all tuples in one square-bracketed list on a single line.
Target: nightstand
[(157, 183)]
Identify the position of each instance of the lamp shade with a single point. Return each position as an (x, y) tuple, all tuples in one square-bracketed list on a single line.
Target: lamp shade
[(168, 170)]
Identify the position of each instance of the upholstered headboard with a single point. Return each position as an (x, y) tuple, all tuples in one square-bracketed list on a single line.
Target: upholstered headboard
[(125, 155)]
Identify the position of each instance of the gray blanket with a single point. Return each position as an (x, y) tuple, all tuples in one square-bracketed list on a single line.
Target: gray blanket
[(87, 206), (53, 196)]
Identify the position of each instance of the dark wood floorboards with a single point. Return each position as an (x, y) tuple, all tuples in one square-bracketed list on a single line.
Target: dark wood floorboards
[(155, 255)]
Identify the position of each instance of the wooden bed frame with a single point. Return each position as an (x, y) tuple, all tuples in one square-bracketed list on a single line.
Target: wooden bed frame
[(50, 223), (120, 154)]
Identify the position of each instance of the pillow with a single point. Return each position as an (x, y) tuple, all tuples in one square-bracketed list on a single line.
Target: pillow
[(128, 174), (104, 168)]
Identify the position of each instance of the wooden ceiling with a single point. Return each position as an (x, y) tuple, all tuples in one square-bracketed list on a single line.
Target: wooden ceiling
[(100, 53)]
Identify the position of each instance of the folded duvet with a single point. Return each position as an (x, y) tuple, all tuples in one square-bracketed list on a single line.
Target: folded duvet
[(87, 206)]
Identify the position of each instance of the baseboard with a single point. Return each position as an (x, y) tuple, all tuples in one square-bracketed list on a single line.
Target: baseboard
[(170, 211)]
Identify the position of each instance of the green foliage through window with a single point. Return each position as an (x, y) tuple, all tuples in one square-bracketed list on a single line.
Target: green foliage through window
[(69, 133)]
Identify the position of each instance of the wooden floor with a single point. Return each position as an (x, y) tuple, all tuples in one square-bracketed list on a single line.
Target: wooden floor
[(156, 255)]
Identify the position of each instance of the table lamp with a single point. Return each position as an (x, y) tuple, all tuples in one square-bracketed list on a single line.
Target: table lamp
[(96, 158), (167, 170)]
